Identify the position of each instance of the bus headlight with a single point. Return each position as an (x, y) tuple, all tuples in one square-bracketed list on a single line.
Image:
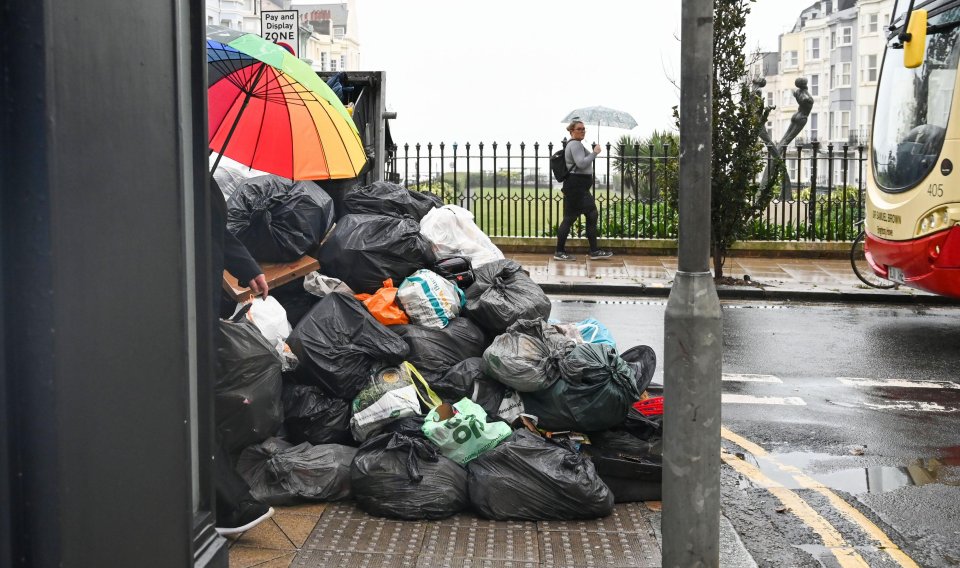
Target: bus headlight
[(938, 219)]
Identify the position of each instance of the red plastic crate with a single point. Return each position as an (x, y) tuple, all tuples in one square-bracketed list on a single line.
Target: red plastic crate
[(650, 407)]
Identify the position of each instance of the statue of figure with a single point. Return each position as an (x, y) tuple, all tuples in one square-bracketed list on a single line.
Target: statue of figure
[(799, 118), (758, 85), (797, 122)]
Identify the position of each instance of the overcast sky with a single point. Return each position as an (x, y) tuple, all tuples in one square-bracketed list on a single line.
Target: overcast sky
[(510, 70)]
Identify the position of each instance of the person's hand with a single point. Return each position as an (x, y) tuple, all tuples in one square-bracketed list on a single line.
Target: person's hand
[(259, 286), (596, 148)]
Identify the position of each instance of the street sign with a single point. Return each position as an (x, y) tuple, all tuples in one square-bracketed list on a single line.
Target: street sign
[(282, 27)]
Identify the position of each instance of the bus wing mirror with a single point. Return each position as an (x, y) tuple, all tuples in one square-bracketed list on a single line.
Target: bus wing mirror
[(916, 45)]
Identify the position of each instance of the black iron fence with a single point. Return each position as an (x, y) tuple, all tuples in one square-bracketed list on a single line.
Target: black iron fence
[(511, 192)]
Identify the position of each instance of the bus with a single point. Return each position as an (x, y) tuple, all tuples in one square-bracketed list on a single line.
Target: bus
[(912, 236)]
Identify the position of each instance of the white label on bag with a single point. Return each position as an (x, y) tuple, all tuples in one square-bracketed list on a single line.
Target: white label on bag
[(511, 407)]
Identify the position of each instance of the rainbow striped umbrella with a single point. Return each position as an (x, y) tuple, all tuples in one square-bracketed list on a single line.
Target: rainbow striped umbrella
[(270, 111)]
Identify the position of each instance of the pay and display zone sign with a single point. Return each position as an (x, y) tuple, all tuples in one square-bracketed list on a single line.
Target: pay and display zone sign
[(282, 28)]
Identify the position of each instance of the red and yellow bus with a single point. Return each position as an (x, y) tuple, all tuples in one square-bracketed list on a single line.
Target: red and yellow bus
[(913, 180)]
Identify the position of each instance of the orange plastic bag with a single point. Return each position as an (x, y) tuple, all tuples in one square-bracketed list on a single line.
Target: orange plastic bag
[(383, 305)]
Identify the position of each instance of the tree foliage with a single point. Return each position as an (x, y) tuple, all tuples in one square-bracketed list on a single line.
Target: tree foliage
[(739, 114)]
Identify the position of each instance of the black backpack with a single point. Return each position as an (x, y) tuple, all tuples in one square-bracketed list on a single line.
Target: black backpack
[(558, 163)]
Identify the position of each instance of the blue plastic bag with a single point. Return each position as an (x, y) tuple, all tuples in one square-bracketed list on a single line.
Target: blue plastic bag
[(593, 331)]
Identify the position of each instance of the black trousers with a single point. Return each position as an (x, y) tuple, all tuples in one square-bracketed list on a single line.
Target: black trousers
[(577, 200), (229, 486)]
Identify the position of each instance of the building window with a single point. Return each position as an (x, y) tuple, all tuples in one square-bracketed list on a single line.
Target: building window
[(323, 61), (863, 122), (846, 36), (842, 124), (813, 127), (343, 62), (787, 98), (833, 39), (813, 48), (790, 59), (333, 64), (844, 80), (868, 68), (814, 82), (770, 99), (833, 74), (338, 32), (869, 24)]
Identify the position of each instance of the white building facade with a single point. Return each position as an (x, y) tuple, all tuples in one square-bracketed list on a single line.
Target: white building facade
[(328, 32), (837, 45)]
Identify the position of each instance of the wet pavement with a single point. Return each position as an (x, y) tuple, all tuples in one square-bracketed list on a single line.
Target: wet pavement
[(807, 279)]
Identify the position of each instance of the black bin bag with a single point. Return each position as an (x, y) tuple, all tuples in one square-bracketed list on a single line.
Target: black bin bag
[(433, 351), (280, 473), (531, 478), (595, 392), (338, 342), (365, 250), (386, 198), (631, 467), (279, 220), (310, 415), (248, 407), (295, 300), (466, 379), (404, 477), (503, 293), (526, 357)]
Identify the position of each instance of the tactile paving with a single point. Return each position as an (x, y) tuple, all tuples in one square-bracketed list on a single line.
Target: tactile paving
[(346, 510), (471, 520), (435, 562), (334, 559), (626, 517), (369, 535), (598, 549), (481, 543)]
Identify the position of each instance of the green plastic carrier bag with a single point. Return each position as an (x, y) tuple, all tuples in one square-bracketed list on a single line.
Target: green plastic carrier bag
[(465, 435)]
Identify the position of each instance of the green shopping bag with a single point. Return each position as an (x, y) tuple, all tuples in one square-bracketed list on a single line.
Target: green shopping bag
[(465, 435)]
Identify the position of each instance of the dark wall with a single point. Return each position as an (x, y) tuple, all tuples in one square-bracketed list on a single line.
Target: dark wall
[(95, 392)]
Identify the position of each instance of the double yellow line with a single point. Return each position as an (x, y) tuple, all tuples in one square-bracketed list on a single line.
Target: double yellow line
[(846, 555)]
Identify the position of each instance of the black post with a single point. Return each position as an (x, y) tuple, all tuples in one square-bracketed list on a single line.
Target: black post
[(105, 442)]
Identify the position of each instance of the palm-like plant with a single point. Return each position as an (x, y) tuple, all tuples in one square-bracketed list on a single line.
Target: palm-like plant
[(648, 166)]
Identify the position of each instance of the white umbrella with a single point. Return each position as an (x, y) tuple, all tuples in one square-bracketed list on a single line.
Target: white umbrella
[(602, 116)]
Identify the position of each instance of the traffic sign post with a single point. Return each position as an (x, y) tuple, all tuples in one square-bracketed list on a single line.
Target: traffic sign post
[(282, 27)]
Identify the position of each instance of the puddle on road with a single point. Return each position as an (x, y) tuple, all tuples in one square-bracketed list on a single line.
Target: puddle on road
[(870, 479)]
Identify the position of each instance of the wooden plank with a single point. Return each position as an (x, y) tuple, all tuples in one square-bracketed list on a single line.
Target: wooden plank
[(277, 274)]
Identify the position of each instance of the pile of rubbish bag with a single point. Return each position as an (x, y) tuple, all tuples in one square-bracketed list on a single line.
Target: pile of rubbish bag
[(418, 371)]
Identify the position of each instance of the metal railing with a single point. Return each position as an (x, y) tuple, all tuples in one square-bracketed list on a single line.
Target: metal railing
[(511, 192)]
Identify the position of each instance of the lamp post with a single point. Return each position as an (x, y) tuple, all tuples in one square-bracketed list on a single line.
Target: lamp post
[(693, 341)]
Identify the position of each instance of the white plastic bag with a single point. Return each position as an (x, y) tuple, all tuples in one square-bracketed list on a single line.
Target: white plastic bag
[(231, 173), (429, 299), (392, 406), (453, 233), (271, 319), (320, 285)]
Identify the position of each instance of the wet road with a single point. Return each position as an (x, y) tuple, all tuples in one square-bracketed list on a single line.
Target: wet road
[(853, 410)]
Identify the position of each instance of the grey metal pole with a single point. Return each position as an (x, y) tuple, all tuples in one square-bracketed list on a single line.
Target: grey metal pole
[(692, 325)]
